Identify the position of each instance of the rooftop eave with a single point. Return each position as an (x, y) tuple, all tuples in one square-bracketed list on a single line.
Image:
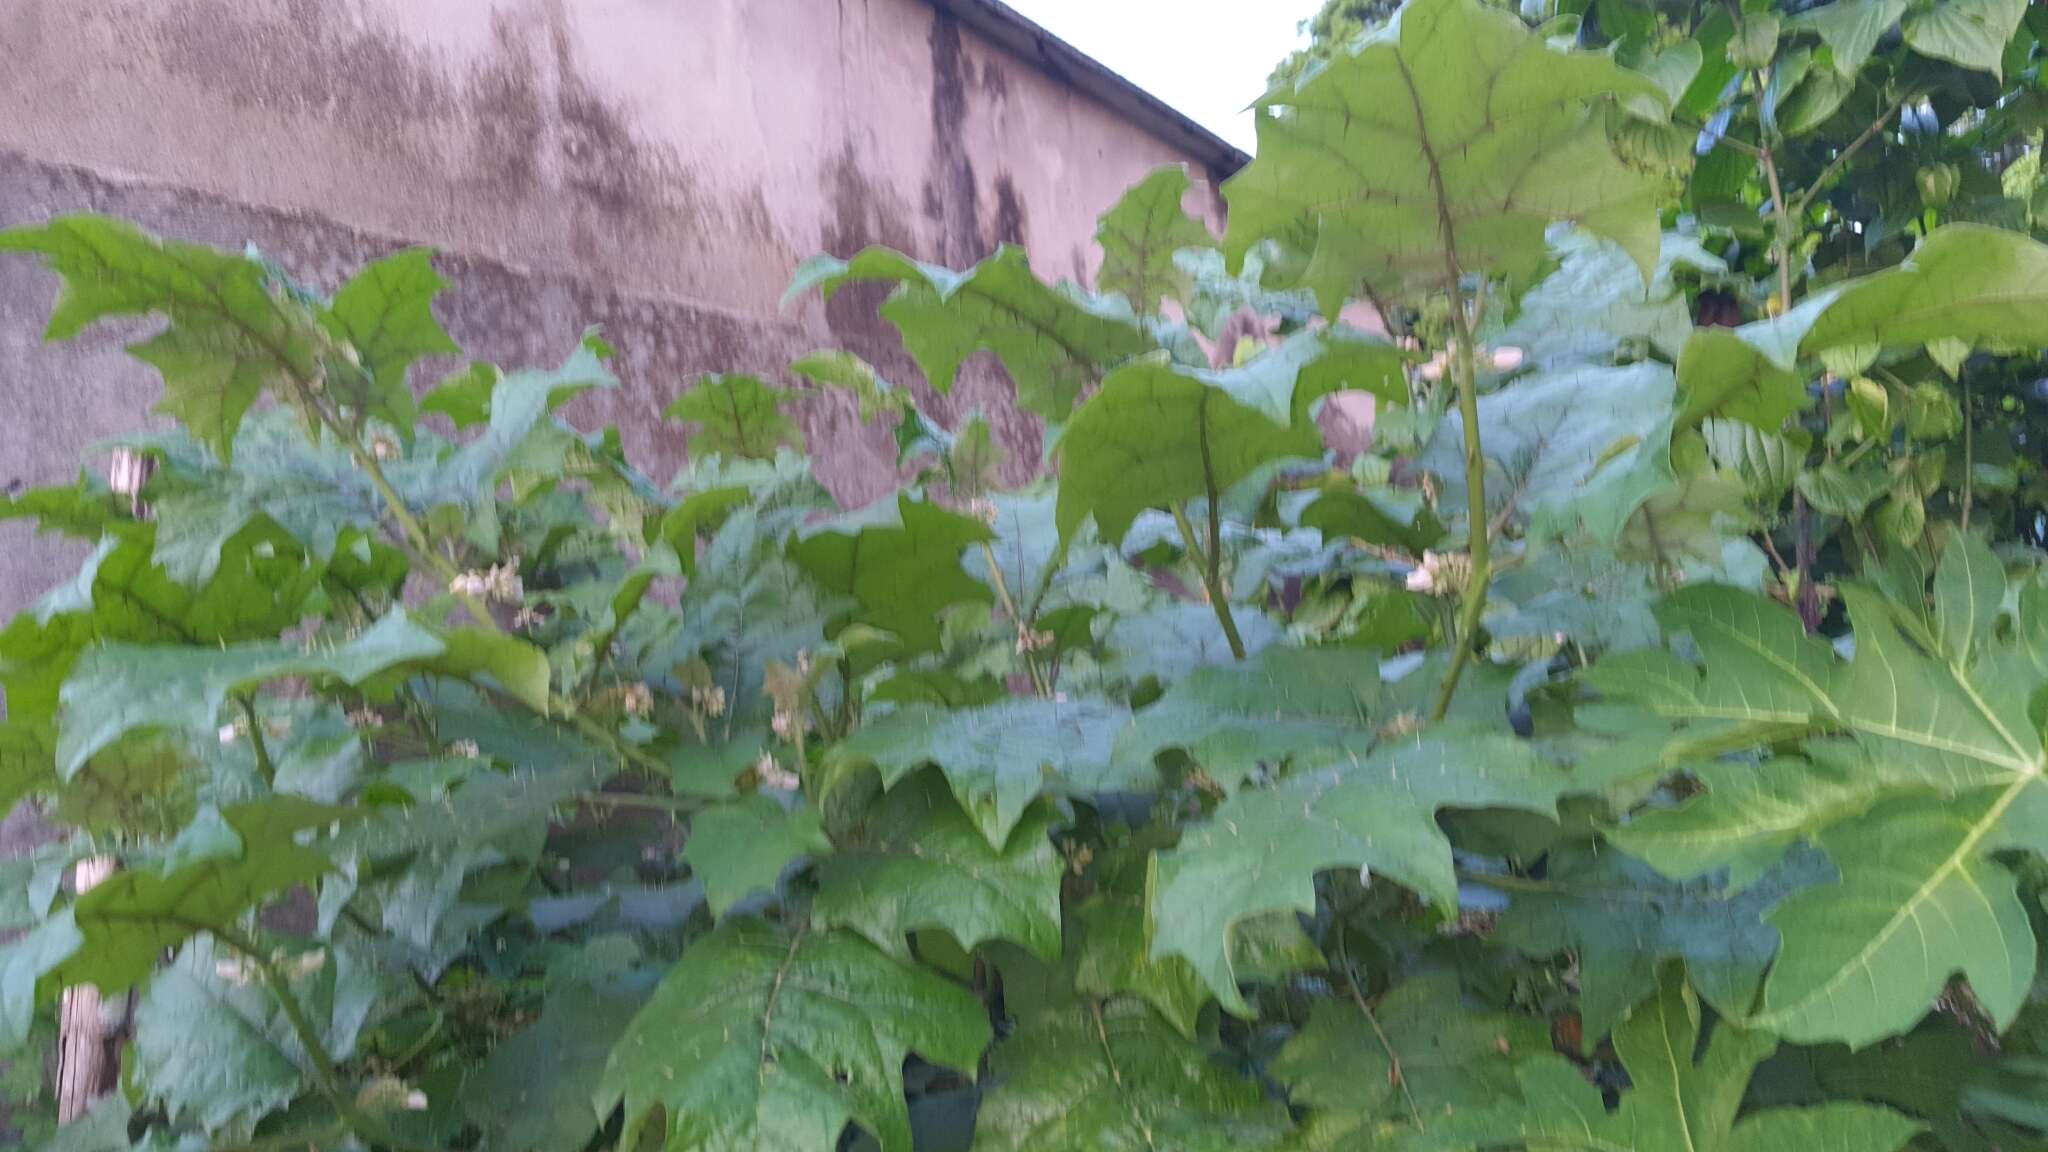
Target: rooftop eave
[(1022, 37)]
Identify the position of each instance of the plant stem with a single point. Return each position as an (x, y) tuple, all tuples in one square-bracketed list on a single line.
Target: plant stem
[(643, 800), (256, 741), (326, 1077), (1212, 580), (1842, 157), (1393, 1057), (1023, 622), (1969, 451), (1480, 547)]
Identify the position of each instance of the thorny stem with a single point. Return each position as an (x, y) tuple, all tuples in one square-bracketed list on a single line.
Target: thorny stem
[(1480, 546), (1020, 619), (1210, 566)]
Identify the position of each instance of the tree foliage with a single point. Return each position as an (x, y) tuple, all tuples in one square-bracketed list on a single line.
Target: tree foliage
[(1639, 746)]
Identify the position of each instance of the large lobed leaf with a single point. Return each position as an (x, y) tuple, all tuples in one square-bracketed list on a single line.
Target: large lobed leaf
[(233, 334), (762, 1040), (1054, 343), (1262, 848), (120, 688), (1159, 435), (1140, 236), (1442, 146), (999, 758), (1944, 771), (1100, 1077)]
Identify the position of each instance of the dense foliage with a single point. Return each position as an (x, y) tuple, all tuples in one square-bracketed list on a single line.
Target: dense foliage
[(1640, 746)]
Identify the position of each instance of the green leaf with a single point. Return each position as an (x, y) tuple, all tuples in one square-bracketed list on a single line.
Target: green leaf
[(130, 920), (1722, 375), (1748, 816), (1576, 450), (919, 862), (999, 758), (736, 416), (743, 845), (1380, 518), (1960, 763), (533, 1092), (1972, 33), (1423, 1056), (1964, 282), (1159, 435), (1446, 145), (900, 564), (759, 1040), (513, 664), (1837, 491), (1262, 848), (1054, 344), (839, 369), (1233, 720), (1100, 1076), (1140, 236), (211, 1044), (233, 335), (1679, 1102), (1851, 28), (1596, 302), (386, 314), (1622, 919), (25, 963), (120, 688)]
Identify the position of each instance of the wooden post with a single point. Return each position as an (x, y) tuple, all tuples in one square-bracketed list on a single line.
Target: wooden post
[(82, 1064)]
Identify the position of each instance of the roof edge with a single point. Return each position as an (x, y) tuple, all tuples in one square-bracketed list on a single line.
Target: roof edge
[(1015, 33)]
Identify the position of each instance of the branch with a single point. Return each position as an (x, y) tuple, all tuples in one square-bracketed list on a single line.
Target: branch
[(1842, 157)]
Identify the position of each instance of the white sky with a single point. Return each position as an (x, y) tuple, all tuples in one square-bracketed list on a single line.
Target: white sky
[(1207, 58)]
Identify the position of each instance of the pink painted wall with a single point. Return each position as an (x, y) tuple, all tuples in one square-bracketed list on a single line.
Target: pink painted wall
[(657, 166)]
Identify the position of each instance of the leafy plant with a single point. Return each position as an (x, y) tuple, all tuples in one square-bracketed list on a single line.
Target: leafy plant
[(1638, 746)]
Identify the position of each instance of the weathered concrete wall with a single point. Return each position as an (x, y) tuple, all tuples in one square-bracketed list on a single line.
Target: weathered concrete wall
[(655, 166)]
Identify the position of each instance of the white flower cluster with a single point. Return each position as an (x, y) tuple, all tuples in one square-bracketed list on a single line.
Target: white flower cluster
[(1032, 640), (786, 726), (500, 582), (984, 510), (639, 700), (466, 749), (1498, 359), (773, 775), (1441, 574), (711, 700)]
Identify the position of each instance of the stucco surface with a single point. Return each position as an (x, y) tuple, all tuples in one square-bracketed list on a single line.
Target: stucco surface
[(654, 166)]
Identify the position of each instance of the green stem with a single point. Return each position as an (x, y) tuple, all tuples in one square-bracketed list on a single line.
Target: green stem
[(1023, 622), (1210, 566), (641, 800), (1480, 547), (327, 1078), (256, 741)]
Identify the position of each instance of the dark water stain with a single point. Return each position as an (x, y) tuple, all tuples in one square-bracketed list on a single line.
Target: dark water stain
[(952, 200), (1009, 224)]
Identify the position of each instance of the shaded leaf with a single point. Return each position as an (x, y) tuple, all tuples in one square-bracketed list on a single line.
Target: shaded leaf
[(1099, 1076), (760, 1040), (743, 845)]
